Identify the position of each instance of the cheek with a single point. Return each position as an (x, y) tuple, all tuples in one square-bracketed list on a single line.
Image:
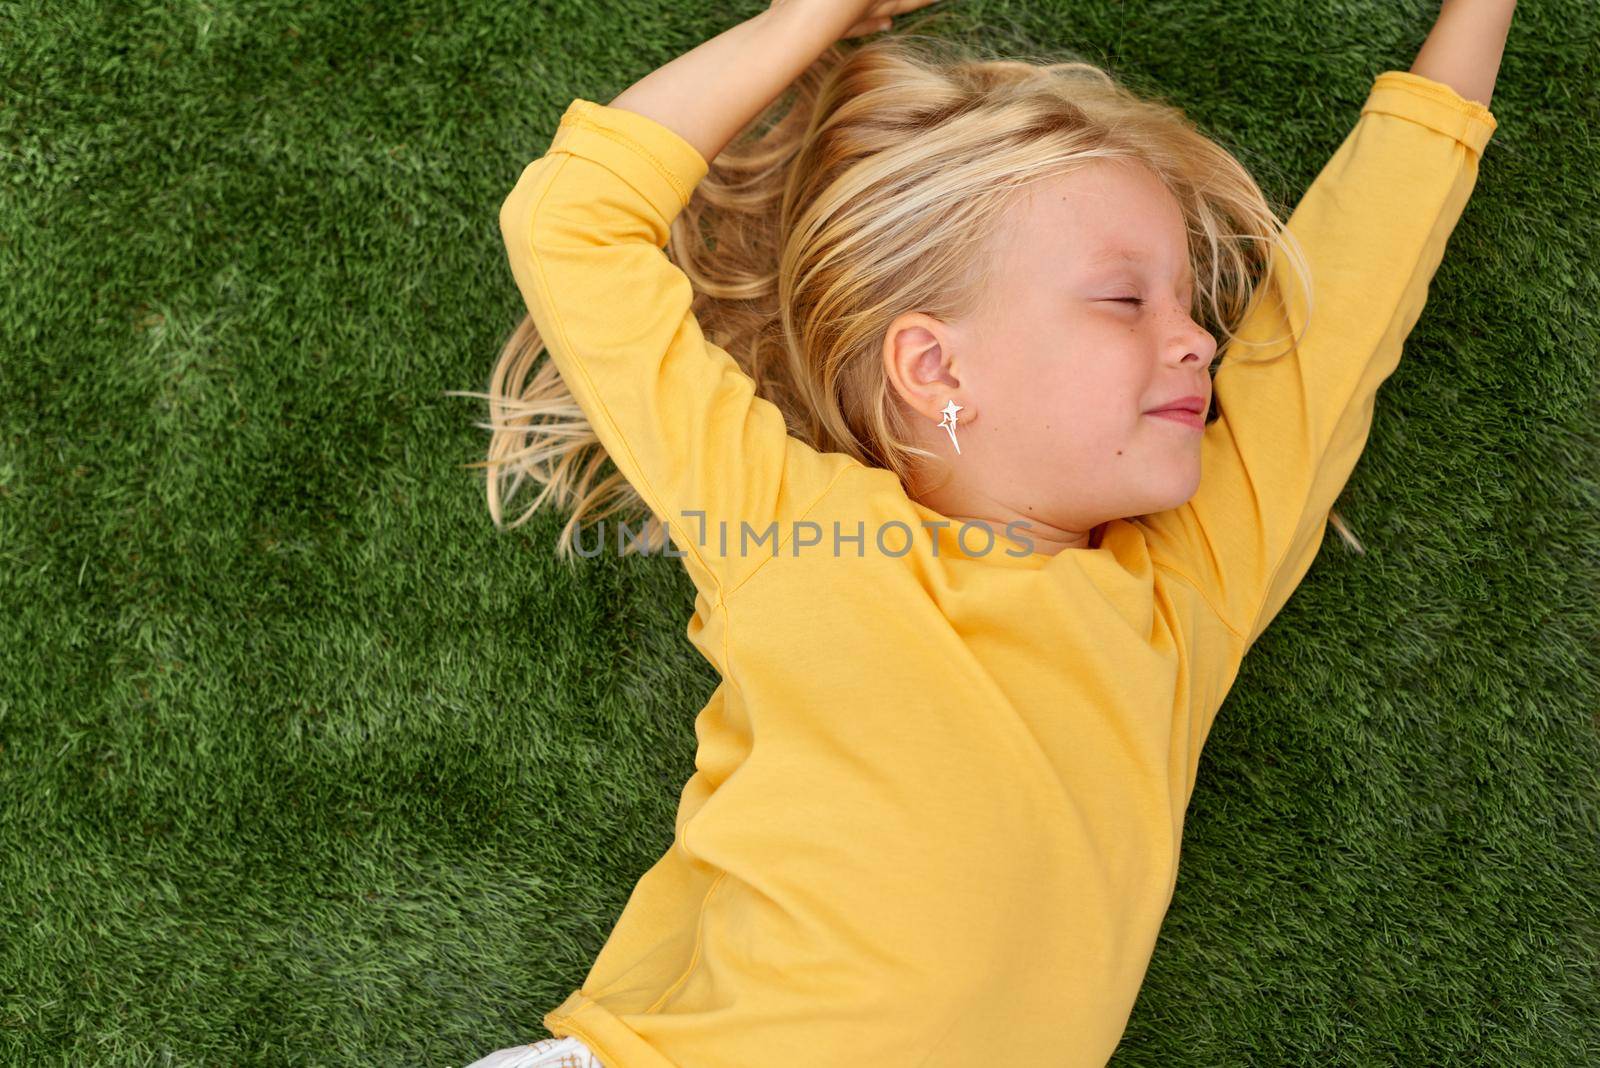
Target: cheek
[(1066, 428), (1065, 394), (1087, 399)]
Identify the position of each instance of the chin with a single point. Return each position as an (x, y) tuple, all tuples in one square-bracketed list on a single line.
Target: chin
[(1177, 493)]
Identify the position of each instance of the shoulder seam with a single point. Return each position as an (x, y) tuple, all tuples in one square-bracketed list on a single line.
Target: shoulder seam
[(778, 551), (1204, 597)]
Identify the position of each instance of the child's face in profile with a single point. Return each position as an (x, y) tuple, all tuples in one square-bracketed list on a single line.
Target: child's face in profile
[(1059, 371)]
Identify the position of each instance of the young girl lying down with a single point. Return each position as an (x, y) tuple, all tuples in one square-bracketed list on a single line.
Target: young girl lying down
[(978, 538)]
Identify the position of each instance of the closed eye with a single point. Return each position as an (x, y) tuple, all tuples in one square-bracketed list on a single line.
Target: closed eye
[(1125, 300)]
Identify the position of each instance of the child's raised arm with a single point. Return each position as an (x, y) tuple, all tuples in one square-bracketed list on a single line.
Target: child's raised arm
[(584, 229), (1373, 227), (709, 94)]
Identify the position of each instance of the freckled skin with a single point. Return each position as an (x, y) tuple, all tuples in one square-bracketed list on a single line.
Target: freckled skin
[(1054, 340)]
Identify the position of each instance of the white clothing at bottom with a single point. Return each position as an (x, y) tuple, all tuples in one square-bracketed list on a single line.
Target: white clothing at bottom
[(547, 1053)]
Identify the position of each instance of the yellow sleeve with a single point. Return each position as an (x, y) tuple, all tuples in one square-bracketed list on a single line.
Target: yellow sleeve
[(585, 228), (1373, 228)]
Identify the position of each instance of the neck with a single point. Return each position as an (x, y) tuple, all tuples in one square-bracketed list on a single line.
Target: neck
[(1047, 538)]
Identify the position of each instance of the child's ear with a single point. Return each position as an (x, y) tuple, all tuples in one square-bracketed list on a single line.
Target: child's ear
[(919, 361)]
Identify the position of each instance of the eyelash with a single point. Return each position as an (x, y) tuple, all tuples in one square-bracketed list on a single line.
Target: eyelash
[(1135, 301)]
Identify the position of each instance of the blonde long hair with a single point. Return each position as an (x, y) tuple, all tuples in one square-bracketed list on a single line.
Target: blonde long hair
[(873, 185)]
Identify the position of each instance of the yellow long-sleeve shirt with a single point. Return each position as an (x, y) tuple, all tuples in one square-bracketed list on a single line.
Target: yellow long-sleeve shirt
[(940, 789)]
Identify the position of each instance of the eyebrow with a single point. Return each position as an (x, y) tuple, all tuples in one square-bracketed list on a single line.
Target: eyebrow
[(1135, 256)]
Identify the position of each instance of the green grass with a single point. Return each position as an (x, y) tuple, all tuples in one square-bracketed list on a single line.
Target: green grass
[(302, 762)]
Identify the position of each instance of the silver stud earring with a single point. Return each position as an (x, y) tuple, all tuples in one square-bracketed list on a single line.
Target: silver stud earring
[(949, 422)]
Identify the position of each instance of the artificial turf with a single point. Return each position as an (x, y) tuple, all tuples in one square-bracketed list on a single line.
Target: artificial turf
[(303, 762)]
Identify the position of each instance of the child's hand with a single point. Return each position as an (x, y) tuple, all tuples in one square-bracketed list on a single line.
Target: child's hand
[(710, 93), (858, 17)]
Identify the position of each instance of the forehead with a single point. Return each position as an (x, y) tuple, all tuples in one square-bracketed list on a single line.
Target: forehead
[(1109, 212)]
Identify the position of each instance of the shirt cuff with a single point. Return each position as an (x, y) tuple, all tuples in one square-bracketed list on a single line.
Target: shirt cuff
[(656, 161), (1433, 104)]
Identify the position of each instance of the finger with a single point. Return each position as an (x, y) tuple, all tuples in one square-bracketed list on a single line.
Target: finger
[(866, 26), (897, 7)]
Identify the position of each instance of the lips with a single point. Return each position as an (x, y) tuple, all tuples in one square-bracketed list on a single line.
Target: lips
[(1186, 404), (1190, 411), (1181, 415)]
